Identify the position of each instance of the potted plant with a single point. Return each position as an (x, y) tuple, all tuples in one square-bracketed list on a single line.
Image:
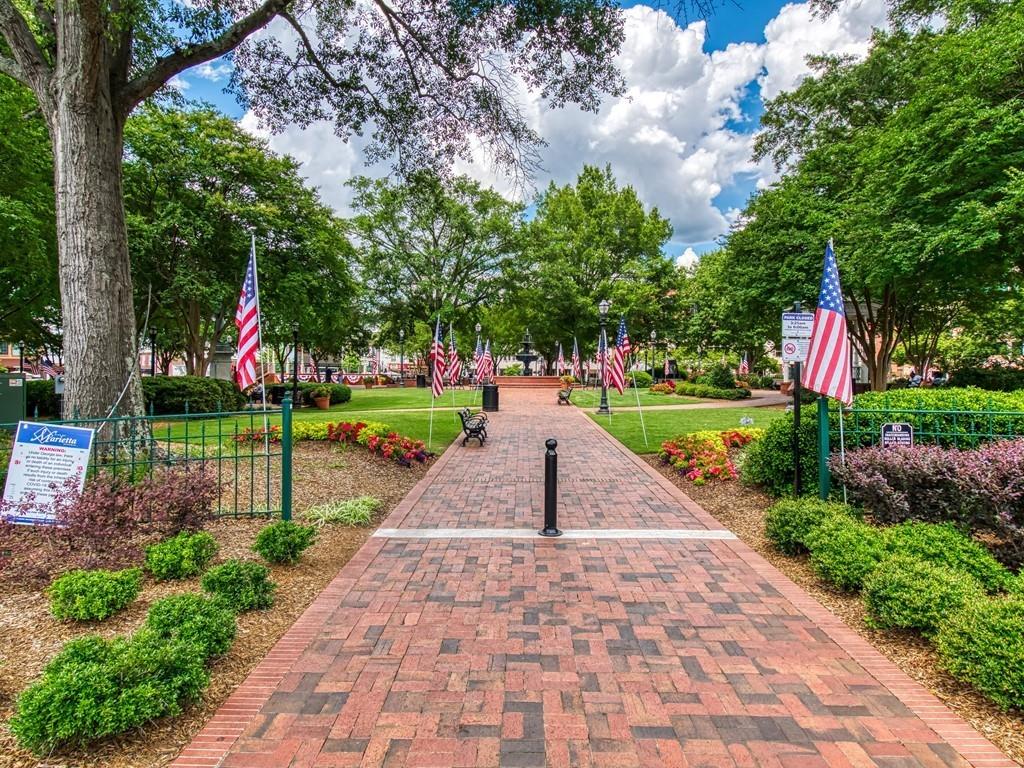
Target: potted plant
[(368, 381), (321, 397)]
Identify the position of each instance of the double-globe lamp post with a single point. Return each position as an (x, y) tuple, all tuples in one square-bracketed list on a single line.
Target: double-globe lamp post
[(654, 352), (603, 309)]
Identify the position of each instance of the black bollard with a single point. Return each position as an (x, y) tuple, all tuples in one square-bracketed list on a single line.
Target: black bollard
[(550, 490)]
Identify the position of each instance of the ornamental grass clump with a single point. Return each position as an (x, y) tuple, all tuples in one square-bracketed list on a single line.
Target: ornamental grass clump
[(844, 551), (93, 595), (284, 541), (789, 522), (181, 556), (904, 592), (983, 644), (358, 511), (945, 545), (241, 585)]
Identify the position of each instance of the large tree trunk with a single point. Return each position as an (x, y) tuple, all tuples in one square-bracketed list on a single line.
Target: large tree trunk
[(100, 352)]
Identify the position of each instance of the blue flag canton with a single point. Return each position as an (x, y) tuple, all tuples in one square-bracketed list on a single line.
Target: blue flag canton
[(831, 295), (620, 337)]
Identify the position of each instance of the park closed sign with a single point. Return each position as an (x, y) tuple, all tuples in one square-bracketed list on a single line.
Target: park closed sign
[(44, 458), (796, 336)]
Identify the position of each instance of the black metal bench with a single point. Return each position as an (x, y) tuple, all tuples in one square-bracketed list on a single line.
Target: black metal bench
[(474, 425), (564, 395)]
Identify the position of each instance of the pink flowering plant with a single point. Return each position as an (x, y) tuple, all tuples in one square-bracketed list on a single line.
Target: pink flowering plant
[(702, 457), (381, 441)]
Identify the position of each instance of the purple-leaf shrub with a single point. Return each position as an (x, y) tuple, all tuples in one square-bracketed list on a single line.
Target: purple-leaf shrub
[(175, 500), (982, 488)]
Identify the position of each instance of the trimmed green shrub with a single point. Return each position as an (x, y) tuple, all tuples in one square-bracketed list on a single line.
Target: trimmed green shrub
[(169, 394), (192, 619), (789, 522), (339, 392), (242, 585), (768, 462), (97, 687), (639, 379), (93, 595), (904, 592), (349, 512), (703, 390), (998, 378), (717, 377), (180, 556), (984, 645), (844, 551), (283, 541), (40, 393), (945, 545)]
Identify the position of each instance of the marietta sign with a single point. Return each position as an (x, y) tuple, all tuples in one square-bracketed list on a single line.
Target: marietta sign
[(44, 458)]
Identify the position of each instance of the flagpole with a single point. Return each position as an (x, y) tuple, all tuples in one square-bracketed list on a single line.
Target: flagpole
[(259, 340), (640, 410)]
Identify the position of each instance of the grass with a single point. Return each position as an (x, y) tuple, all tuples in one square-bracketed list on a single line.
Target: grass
[(664, 424), (591, 398), (395, 398)]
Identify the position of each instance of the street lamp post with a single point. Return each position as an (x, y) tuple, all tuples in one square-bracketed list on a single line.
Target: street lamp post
[(401, 355), (21, 356), (478, 328), (603, 309), (654, 352), (295, 364), (152, 354)]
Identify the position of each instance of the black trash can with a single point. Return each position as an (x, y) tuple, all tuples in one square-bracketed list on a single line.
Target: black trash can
[(490, 397), (421, 380)]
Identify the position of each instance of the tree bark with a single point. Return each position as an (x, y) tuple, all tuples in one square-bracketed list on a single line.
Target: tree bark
[(100, 350)]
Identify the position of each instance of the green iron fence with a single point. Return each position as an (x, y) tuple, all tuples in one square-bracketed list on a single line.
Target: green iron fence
[(946, 427), (252, 463)]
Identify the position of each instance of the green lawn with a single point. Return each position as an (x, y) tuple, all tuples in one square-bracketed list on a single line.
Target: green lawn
[(662, 425), (591, 398), (392, 398)]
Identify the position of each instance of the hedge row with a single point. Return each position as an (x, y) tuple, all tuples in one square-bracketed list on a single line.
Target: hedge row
[(923, 577), (703, 390), (997, 378), (199, 394)]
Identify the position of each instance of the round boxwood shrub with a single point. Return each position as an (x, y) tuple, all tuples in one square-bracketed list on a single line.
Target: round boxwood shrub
[(904, 592), (242, 585), (944, 544), (339, 392), (192, 619), (789, 522), (169, 394), (844, 551), (718, 376), (768, 462), (283, 541), (181, 556), (93, 595), (640, 379), (984, 645), (97, 687)]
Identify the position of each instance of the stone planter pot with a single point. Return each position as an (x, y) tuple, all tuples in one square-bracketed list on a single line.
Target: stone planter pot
[(323, 403)]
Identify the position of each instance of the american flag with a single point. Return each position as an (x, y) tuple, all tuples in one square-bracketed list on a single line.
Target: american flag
[(47, 367), (454, 364), (477, 354), (247, 320), (599, 358), (561, 359), (617, 369), (437, 362), (577, 365), (485, 368), (827, 370), (744, 365)]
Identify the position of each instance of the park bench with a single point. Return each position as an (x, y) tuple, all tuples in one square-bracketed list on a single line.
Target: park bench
[(473, 425), (564, 395)]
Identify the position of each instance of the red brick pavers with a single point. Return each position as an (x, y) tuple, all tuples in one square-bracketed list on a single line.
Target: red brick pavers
[(620, 652)]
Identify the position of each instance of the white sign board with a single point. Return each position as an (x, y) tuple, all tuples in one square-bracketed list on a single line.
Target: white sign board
[(797, 325), (794, 350), (43, 458)]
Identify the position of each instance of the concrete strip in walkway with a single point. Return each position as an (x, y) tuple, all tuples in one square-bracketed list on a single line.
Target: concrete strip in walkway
[(532, 534)]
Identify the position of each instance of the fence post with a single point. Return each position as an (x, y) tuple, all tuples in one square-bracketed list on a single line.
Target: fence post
[(823, 448), (286, 456)]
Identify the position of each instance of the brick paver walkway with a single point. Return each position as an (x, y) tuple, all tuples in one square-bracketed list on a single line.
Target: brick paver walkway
[(668, 651)]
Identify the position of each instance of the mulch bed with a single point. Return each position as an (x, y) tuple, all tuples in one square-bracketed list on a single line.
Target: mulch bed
[(742, 509), (29, 636)]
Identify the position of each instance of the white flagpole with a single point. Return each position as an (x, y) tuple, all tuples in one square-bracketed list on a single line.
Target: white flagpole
[(259, 339), (433, 373), (842, 447), (639, 409)]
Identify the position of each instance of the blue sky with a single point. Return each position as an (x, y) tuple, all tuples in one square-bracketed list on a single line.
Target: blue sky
[(683, 136)]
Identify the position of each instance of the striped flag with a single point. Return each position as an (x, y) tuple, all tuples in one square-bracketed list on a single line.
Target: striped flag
[(486, 368), (600, 359), (454, 364), (617, 369), (744, 365), (437, 362), (561, 359), (477, 353), (577, 364), (247, 320), (827, 370), (47, 368)]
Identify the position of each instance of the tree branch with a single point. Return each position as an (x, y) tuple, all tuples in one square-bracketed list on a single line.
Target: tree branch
[(149, 82), (28, 65)]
